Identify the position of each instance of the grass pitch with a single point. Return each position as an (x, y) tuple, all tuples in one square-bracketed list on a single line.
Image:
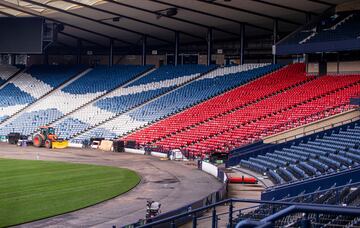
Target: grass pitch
[(31, 190)]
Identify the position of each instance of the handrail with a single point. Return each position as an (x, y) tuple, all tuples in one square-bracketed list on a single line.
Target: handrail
[(321, 191), (305, 206)]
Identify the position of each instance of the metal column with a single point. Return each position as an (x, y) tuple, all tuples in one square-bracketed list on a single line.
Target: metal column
[(12, 59), (209, 45), (46, 58), (308, 17), (143, 56), (242, 44), (275, 34), (79, 51), (111, 53), (176, 53)]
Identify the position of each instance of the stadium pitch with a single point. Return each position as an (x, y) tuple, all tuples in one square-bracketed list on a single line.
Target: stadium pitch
[(32, 190)]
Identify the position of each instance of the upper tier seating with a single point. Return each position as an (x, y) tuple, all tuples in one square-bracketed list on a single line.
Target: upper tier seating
[(87, 87), (207, 86), (333, 33), (6, 71), (339, 26), (333, 151), (223, 104), (31, 85), (132, 95)]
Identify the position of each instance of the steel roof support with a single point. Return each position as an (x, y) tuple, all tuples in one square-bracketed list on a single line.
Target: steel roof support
[(79, 51), (210, 15), (209, 45), (284, 7), (111, 53), (242, 44), (144, 47), (82, 39), (173, 18), (250, 12), (275, 34), (93, 20), (131, 18), (176, 51)]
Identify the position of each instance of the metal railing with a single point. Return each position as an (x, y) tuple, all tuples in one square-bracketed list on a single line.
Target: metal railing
[(278, 210)]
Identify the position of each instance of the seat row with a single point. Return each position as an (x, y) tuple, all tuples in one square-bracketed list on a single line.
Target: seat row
[(335, 151)]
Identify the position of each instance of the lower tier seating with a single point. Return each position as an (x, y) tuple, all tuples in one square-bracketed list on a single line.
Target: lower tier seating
[(224, 104), (6, 71), (346, 195), (331, 152), (29, 86), (278, 111), (203, 88), (86, 87)]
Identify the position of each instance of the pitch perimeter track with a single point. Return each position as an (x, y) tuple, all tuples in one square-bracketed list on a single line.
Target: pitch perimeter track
[(174, 184)]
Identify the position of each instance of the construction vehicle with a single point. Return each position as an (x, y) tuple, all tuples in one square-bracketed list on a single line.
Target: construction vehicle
[(46, 137)]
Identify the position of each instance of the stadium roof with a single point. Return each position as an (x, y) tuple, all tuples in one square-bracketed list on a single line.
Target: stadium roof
[(128, 20)]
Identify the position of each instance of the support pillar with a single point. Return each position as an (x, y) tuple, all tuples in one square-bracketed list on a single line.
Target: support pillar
[(306, 61), (209, 45), (275, 34), (111, 53), (242, 44), (308, 18), (12, 58), (176, 52), (79, 51), (46, 58), (143, 56)]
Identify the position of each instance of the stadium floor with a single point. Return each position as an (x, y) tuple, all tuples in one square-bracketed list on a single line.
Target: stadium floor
[(174, 185)]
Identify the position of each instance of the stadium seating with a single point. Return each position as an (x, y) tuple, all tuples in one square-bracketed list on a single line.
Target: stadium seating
[(221, 105), (336, 32), (346, 195), (295, 107), (236, 123), (31, 85), (6, 71), (132, 95), (327, 153), (87, 87), (207, 86)]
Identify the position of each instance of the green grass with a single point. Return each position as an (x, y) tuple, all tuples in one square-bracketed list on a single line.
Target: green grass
[(31, 190)]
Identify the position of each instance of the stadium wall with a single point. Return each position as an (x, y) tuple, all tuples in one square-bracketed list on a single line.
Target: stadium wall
[(334, 67), (321, 125)]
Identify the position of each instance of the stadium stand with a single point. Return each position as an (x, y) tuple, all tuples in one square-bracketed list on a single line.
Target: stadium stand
[(221, 105), (130, 96), (270, 88), (6, 72), (84, 89), (272, 111), (329, 33), (34, 83), (322, 153), (197, 91)]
